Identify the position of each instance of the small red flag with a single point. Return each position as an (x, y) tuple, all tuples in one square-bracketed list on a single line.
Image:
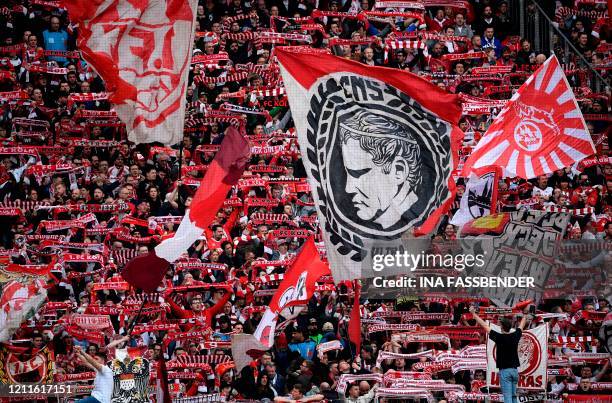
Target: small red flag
[(354, 327), (297, 288)]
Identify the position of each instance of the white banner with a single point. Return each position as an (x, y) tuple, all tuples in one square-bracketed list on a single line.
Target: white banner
[(533, 358), (142, 50), (479, 198)]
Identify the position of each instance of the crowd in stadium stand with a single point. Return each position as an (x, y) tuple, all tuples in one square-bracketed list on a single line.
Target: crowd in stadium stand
[(78, 177)]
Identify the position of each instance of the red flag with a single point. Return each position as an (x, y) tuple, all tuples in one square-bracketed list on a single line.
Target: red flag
[(297, 288), (354, 326), (523, 304), (540, 130), (147, 271), (163, 393), (142, 51)]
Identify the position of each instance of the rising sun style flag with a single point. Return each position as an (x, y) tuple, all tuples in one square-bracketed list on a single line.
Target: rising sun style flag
[(540, 130)]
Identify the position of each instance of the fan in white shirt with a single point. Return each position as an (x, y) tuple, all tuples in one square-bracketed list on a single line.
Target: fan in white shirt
[(103, 384)]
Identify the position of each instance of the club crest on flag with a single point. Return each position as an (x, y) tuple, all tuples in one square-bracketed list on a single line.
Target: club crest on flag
[(529, 354), (368, 142), (142, 52), (527, 133), (540, 130), (294, 293), (36, 369), (532, 353), (130, 377)]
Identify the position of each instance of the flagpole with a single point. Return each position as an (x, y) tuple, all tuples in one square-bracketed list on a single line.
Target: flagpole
[(350, 345), (180, 161), (347, 323), (131, 326)]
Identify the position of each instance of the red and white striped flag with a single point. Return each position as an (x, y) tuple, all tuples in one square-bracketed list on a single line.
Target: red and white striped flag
[(147, 271), (541, 129)]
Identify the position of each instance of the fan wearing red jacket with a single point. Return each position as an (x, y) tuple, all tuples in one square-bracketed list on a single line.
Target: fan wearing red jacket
[(204, 316), (220, 233)]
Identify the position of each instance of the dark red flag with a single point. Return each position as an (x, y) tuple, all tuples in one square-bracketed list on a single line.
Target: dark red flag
[(163, 393), (146, 272)]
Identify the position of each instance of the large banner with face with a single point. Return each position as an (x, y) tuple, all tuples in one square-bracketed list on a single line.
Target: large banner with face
[(379, 146), (533, 357)]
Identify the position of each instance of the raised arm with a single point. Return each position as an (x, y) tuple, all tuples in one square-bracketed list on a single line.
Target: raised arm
[(218, 307), (603, 371), (313, 398), (88, 360), (177, 309), (523, 322), (481, 322), (526, 316), (117, 342)]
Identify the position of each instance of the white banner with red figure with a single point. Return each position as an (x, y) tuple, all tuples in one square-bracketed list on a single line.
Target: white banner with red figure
[(541, 129), (22, 292), (533, 357), (142, 50)]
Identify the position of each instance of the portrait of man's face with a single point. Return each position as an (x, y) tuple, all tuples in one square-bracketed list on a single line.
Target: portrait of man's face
[(382, 162), (370, 186), (381, 166)]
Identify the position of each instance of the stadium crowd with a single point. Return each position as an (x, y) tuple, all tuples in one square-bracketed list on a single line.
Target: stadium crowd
[(73, 191)]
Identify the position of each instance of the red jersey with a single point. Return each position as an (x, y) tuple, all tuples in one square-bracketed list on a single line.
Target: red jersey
[(205, 316)]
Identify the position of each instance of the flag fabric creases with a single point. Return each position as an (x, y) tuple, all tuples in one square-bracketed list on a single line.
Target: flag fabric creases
[(541, 129), (146, 271), (379, 148), (146, 67)]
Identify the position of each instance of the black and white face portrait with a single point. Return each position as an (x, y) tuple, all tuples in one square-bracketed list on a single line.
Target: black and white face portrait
[(383, 160), (382, 167)]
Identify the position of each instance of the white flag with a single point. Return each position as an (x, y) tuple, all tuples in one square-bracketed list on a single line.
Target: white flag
[(142, 50), (480, 196)]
